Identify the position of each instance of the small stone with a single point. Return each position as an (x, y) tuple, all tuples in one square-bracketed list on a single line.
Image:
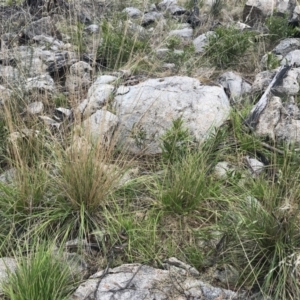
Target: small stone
[(35, 108)]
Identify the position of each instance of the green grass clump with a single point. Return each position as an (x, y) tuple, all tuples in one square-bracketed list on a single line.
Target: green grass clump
[(262, 231), (40, 275), (227, 46), (119, 46), (279, 28), (187, 184)]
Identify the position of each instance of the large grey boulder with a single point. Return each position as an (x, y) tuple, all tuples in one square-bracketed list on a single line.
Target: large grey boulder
[(100, 125), (149, 108), (136, 282)]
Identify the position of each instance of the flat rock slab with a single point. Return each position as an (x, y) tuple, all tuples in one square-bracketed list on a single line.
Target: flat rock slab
[(148, 109), (136, 282)]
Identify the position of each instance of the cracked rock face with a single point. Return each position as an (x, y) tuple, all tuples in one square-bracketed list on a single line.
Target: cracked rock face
[(149, 108), (136, 282)]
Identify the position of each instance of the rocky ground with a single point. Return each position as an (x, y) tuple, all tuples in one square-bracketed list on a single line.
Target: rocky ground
[(102, 105)]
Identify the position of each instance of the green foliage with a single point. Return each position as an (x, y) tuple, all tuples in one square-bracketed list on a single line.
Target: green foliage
[(60, 100), (187, 184), (119, 46), (262, 229), (176, 142), (272, 61), (279, 28), (216, 7), (78, 38), (173, 42), (182, 57), (40, 275), (227, 46)]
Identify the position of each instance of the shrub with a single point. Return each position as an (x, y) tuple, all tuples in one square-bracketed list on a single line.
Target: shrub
[(40, 275), (227, 46), (279, 28), (175, 142)]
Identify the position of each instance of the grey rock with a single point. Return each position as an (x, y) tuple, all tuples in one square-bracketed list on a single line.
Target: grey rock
[(235, 85), (169, 66), (7, 265), (222, 169), (151, 17), (173, 261), (8, 177), (185, 33), (176, 10), (165, 4), (43, 83), (255, 166), (262, 80), (287, 45), (43, 26), (50, 122), (269, 118), (296, 14), (201, 41), (122, 90), (79, 78), (98, 95), (277, 124), (105, 79), (290, 85), (11, 76), (101, 125), (162, 53), (150, 107), (93, 28), (82, 106), (132, 12), (257, 10), (291, 108), (292, 58), (62, 113), (27, 60), (135, 282), (49, 42), (227, 275), (35, 108), (5, 94)]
